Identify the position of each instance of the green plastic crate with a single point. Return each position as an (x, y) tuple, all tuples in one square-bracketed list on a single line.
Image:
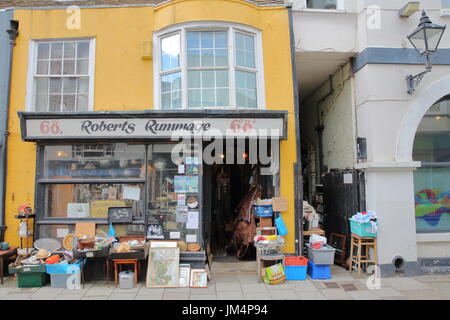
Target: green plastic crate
[(31, 280)]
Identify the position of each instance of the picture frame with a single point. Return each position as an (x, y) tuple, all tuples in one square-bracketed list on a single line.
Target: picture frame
[(198, 278), (163, 268), (185, 275)]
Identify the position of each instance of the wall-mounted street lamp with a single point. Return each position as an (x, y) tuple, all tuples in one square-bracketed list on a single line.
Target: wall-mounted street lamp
[(425, 39)]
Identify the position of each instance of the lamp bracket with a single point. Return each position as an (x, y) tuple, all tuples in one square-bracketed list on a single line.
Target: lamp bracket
[(414, 81)]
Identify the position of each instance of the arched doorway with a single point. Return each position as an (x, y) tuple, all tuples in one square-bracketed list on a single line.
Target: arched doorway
[(432, 180)]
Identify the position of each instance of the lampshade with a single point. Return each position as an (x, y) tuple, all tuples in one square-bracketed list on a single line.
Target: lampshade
[(427, 36)]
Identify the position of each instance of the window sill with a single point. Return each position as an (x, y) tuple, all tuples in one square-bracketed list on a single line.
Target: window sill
[(433, 237), (323, 10), (445, 12)]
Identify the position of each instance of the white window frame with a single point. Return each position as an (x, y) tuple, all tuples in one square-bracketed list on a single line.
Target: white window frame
[(232, 28), (32, 65)]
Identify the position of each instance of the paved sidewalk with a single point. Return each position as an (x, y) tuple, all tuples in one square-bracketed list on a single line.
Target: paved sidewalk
[(245, 286)]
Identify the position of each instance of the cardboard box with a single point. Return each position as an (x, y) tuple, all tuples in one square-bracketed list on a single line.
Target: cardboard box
[(280, 204), (265, 222)]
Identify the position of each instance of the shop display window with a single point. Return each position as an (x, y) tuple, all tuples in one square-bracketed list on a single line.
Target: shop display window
[(92, 200), (174, 204), (432, 179), (92, 161)]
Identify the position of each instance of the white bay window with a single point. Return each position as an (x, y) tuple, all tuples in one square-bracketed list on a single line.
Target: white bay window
[(208, 66)]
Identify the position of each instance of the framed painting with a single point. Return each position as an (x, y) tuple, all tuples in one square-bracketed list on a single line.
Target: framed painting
[(163, 268), (185, 275), (199, 278)]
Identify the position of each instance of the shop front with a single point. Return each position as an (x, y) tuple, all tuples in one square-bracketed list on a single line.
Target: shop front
[(178, 175)]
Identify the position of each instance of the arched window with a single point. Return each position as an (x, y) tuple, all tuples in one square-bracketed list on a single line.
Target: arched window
[(432, 179)]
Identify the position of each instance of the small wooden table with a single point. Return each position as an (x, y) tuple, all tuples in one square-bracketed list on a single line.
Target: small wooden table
[(3, 255), (120, 262)]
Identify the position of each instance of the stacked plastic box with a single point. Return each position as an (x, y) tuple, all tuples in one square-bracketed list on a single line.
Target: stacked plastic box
[(319, 261), (295, 268), (59, 273)]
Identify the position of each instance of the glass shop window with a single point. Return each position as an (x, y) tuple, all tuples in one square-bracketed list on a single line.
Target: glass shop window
[(432, 179), (174, 190), (92, 200), (94, 161)]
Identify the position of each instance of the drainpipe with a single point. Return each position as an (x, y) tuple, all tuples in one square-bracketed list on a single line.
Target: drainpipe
[(4, 115), (298, 180), (319, 128)]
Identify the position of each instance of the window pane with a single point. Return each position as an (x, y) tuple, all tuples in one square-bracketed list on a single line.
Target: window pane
[(43, 50), (89, 200), (170, 52), (82, 49), (221, 78), (171, 91), (42, 85), (176, 99), (195, 96), (42, 67), (246, 89), (221, 56), (55, 103), (193, 58), (83, 66), (245, 51), (82, 102), (432, 199), (83, 85), (207, 58), (193, 40), (194, 79), (68, 102), (222, 97), (55, 85), (165, 101), (221, 39), (208, 98), (56, 50), (55, 67), (69, 67), (208, 79), (69, 85), (163, 216), (69, 50), (41, 102), (432, 142), (207, 39)]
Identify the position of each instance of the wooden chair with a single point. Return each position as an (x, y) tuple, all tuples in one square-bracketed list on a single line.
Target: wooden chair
[(339, 242)]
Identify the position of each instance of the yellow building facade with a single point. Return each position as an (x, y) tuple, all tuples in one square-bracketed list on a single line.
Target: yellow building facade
[(129, 69)]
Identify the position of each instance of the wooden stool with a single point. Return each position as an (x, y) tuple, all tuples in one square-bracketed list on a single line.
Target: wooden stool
[(268, 257), (120, 262), (362, 243)]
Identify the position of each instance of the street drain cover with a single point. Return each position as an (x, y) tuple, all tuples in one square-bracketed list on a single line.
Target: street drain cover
[(349, 287), (331, 285)]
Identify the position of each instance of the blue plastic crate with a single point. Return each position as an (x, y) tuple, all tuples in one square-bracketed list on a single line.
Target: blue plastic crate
[(362, 230), (60, 268), (263, 211), (295, 272), (318, 271)]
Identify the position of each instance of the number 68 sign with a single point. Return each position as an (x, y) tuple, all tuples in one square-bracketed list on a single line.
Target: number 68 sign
[(47, 127)]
